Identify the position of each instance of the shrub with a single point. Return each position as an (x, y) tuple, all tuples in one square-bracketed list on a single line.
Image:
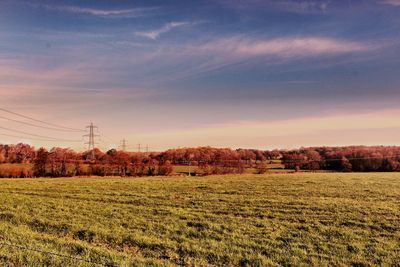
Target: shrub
[(165, 168)]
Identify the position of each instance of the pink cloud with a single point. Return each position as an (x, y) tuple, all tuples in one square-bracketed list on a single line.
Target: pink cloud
[(285, 47)]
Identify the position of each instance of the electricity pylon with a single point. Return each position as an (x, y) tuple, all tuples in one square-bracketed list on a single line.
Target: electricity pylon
[(124, 144), (91, 142)]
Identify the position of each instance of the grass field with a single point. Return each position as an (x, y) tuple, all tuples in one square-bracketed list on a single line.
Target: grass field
[(272, 168), (250, 220)]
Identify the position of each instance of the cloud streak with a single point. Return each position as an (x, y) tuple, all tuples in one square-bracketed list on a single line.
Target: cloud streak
[(291, 6), (304, 6), (154, 34), (218, 54), (284, 47), (105, 13), (391, 2)]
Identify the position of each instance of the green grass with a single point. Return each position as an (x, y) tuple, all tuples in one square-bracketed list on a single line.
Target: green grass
[(184, 169), (251, 220), (271, 167)]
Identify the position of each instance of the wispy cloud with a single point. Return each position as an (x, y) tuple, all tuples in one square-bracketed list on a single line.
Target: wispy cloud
[(107, 13), (182, 60), (284, 47), (391, 2), (154, 34), (291, 6), (225, 52), (304, 6)]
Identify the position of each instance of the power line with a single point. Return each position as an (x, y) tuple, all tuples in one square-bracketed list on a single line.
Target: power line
[(37, 139), (109, 138), (31, 124), (44, 122), (124, 144), (38, 135)]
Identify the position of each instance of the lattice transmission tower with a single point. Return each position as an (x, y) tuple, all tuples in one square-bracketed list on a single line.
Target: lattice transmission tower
[(124, 144), (91, 142)]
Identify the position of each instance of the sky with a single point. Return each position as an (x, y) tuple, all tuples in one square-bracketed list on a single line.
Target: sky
[(252, 74)]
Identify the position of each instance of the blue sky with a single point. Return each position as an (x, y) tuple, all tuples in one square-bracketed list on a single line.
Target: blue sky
[(161, 72)]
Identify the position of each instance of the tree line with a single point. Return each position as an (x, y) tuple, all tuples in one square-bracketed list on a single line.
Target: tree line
[(345, 159), (22, 160)]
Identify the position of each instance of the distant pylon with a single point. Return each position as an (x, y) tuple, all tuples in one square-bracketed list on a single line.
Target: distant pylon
[(139, 147), (91, 142), (124, 144), (147, 148)]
